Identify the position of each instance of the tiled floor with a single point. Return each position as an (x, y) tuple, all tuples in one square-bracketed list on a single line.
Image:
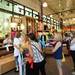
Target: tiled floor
[(51, 68)]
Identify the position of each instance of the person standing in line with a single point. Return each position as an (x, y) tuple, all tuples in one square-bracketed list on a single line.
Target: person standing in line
[(57, 51), (38, 59), (20, 66), (27, 54), (72, 51), (7, 42), (13, 33), (16, 43)]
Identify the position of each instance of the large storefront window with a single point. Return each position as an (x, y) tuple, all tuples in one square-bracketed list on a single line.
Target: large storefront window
[(58, 25), (6, 5), (35, 15), (44, 18), (19, 9), (52, 21), (28, 12), (48, 20), (4, 23)]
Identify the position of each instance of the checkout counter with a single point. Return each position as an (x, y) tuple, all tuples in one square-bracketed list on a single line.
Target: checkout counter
[(7, 62)]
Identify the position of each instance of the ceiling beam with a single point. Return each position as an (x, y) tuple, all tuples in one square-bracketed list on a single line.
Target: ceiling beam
[(61, 12)]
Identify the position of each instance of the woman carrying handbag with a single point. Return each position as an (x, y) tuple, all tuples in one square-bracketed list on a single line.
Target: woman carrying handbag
[(38, 59)]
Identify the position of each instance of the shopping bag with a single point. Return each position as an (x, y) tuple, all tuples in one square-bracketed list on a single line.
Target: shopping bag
[(63, 57)]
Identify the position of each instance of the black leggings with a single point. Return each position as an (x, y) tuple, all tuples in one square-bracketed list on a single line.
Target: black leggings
[(29, 71), (73, 57), (39, 67)]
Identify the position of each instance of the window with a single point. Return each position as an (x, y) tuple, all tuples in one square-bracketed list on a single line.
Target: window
[(19, 9), (6, 5), (48, 19), (58, 24), (28, 12), (4, 23), (52, 21), (35, 15), (44, 18)]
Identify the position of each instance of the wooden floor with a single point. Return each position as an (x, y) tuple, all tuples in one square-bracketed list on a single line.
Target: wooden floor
[(51, 68)]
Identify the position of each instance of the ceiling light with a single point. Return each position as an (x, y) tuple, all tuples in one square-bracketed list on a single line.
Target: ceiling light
[(51, 15), (45, 4), (73, 18)]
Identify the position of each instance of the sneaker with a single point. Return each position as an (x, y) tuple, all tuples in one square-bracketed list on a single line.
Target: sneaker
[(16, 70)]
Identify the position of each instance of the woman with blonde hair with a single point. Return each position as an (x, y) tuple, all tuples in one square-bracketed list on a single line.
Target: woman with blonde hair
[(18, 54), (27, 54), (58, 52)]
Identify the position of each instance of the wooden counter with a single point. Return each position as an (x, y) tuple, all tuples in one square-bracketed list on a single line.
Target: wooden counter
[(7, 63), (3, 51)]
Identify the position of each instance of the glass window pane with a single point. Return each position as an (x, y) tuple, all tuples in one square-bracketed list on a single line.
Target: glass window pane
[(27, 9), (4, 23), (54, 22), (6, 5), (35, 14), (19, 9), (51, 20), (48, 18), (44, 18), (28, 12)]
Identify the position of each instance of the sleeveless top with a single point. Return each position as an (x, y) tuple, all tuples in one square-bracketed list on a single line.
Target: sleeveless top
[(58, 53)]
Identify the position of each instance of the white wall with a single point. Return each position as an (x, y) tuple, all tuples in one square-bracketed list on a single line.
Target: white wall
[(34, 4)]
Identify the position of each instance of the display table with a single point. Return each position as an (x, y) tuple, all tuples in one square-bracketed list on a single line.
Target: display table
[(7, 63)]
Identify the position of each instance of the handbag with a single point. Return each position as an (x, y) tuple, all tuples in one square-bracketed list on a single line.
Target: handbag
[(63, 57)]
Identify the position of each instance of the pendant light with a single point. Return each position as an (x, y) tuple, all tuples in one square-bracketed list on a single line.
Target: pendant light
[(45, 4)]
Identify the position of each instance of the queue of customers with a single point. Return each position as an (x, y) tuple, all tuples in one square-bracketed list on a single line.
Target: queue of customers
[(28, 47), (28, 53)]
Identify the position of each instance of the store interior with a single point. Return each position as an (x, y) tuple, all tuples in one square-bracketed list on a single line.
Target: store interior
[(27, 17)]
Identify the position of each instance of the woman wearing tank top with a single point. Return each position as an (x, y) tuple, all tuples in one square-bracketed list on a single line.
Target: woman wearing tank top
[(58, 52)]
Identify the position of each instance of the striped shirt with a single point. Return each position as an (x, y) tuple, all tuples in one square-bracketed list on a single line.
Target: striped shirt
[(36, 54)]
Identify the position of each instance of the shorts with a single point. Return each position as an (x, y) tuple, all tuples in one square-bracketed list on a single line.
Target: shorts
[(59, 62)]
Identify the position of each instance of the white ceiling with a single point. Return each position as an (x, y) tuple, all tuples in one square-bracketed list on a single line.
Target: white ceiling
[(54, 7), (62, 6)]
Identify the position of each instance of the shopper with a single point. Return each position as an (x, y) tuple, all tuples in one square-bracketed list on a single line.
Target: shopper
[(67, 40), (72, 51), (13, 33), (42, 40), (7, 41), (27, 54), (38, 59), (16, 43), (58, 52)]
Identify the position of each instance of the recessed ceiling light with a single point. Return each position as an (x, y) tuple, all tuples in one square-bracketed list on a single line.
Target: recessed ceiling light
[(51, 15), (73, 18), (45, 4)]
